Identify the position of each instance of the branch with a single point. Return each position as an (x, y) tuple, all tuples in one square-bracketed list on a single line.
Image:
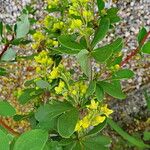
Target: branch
[(134, 52), (8, 128)]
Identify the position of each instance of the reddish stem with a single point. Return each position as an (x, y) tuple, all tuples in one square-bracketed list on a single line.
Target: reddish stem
[(8, 128), (134, 52)]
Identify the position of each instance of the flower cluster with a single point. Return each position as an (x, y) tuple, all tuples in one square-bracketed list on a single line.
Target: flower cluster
[(96, 114)]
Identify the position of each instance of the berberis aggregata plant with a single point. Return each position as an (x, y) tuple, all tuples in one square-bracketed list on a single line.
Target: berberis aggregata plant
[(69, 112)]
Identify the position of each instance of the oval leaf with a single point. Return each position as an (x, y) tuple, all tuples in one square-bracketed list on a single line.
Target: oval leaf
[(50, 111), (141, 35), (102, 31), (113, 90), (9, 55), (23, 26), (4, 141), (6, 109), (146, 48), (67, 122), (123, 74), (84, 62), (69, 42), (32, 140)]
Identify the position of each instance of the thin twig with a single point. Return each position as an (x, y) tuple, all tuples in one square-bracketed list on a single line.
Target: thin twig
[(8, 128), (134, 52)]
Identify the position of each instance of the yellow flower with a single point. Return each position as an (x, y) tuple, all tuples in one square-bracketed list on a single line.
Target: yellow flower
[(61, 84), (38, 36), (88, 15), (106, 110), (35, 45), (93, 105), (74, 92), (58, 90), (47, 21), (97, 120), (85, 122), (57, 26), (76, 23), (38, 69), (54, 73), (78, 126)]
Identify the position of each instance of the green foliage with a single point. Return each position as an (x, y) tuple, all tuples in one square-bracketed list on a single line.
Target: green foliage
[(102, 31), (32, 140), (122, 74), (94, 143), (9, 55), (68, 42), (146, 136), (22, 26), (101, 5), (84, 61), (66, 129), (141, 35), (6, 109), (112, 89), (29, 94), (4, 141), (126, 136), (146, 48), (3, 71), (69, 112)]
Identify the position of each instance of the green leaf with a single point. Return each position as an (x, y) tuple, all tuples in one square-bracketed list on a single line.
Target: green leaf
[(2, 71), (50, 111), (32, 140), (102, 31), (4, 141), (48, 124), (9, 55), (117, 45), (69, 42), (146, 136), (64, 50), (53, 145), (146, 48), (67, 122), (126, 136), (29, 94), (102, 54), (6, 109), (22, 26), (77, 146), (112, 15), (141, 34), (91, 89), (84, 61), (97, 129), (42, 84), (96, 143), (101, 5), (113, 90), (1, 29), (123, 74), (99, 93)]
